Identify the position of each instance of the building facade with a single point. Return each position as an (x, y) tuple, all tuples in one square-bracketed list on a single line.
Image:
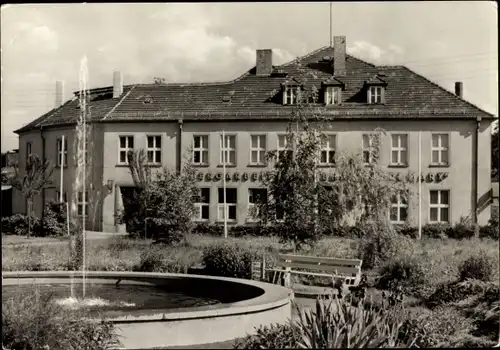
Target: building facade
[(178, 122)]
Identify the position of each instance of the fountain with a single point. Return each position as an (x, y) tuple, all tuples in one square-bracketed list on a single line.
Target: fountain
[(151, 310)]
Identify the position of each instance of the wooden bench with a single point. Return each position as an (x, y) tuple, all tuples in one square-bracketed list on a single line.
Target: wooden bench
[(346, 270)]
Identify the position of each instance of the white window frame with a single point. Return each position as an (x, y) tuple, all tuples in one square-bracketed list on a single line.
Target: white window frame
[(400, 149), (154, 149), (333, 95), (375, 94), (62, 150), (65, 196), (202, 149), (290, 95), (220, 206), (80, 203), (399, 205), (440, 206), (367, 148), (440, 148), (258, 149), (281, 148), (200, 205), (126, 149), (328, 147), (29, 149), (251, 205), (226, 149)]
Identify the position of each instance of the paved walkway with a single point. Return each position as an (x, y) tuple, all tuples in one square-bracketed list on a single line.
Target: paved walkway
[(23, 240)]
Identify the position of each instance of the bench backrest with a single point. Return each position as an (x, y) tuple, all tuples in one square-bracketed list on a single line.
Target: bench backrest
[(348, 267)]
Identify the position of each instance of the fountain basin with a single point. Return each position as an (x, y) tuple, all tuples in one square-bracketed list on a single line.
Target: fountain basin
[(235, 307)]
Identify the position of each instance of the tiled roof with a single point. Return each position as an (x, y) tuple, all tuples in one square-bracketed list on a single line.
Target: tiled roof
[(407, 95)]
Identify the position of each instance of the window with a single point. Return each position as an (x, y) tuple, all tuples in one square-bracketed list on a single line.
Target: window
[(399, 209), (202, 205), (282, 147), (228, 149), (368, 149), (81, 204), (439, 206), (291, 95), (255, 196), (399, 149), (231, 200), (62, 152), (375, 94), (154, 149), (258, 149), (328, 145), (58, 197), (440, 147), (333, 95), (126, 145), (28, 149), (200, 149)]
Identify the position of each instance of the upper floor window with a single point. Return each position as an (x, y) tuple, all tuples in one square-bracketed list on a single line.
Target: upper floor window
[(200, 149), (228, 149), (440, 149), (154, 149), (291, 94), (375, 94), (258, 149), (439, 206), (399, 149), (62, 152), (82, 204), (202, 205), (333, 95), (126, 145), (28, 149), (368, 149), (328, 146), (399, 209)]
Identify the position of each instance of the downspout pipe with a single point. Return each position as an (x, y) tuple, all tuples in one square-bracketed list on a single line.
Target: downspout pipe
[(179, 147), (43, 188), (476, 167)]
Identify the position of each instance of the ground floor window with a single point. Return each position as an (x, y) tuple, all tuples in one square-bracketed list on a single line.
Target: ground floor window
[(82, 203), (439, 206), (231, 200), (58, 197), (202, 205), (255, 196), (399, 209)]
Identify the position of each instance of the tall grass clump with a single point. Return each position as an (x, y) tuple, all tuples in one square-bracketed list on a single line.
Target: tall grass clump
[(477, 266), (34, 321), (226, 260), (407, 271)]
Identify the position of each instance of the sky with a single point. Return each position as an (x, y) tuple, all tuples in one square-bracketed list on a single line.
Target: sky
[(188, 42)]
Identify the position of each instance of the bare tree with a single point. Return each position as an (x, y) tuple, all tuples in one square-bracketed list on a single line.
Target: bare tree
[(36, 177)]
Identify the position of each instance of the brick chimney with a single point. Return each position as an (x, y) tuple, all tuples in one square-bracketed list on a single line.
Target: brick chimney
[(339, 52), (459, 89), (59, 93), (117, 84), (264, 62)]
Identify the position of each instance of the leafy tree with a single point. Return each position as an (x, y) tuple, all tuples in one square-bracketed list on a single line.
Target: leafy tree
[(36, 176)]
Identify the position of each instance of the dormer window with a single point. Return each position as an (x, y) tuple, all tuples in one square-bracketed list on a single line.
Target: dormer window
[(333, 95), (290, 95), (375, 94)]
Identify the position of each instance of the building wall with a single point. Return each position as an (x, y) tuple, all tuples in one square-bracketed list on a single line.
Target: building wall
[(349, 138)]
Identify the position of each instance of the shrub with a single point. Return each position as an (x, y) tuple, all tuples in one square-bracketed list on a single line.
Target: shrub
[(279, 336), (434, 328), (407, 230), (464, 229), (151, 261), (33, 321), (54, 220), (457, 291), (380, 242), (207, 229), (339, 324), (228, 261), (17, 224), (435, 230), (478, 266), (491, 230), (404, 271)]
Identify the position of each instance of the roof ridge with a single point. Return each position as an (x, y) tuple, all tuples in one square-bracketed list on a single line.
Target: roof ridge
[(298, 58), (119, 102), (363, 61), (447, 91)]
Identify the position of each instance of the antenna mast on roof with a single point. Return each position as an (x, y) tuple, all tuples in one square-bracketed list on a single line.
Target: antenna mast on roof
[(331, 44)]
